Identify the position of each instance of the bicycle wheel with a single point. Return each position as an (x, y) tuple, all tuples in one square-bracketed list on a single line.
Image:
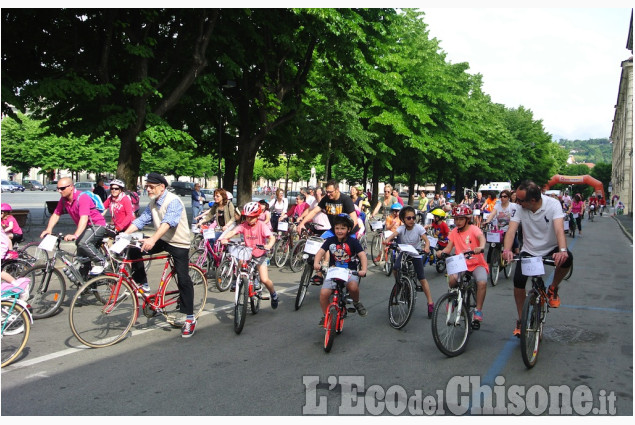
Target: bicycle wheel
[(15, 267), (363, 241), (16, 327), (240, 306), (201, 259), (450, 328), (97, 324), (281, 252), (376, 251), (390, 260), (225, 275), (570, 273), (254, 303), (440, 265), (507, 268), (297, 256), (401, 302), (32, 253), (494, 266), (330, 322), (172, 297), (46, 290), (304, 285), (530, 329), (572, 229)]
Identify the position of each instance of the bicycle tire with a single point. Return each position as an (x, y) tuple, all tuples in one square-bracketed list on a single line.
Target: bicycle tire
[(330, 328), (224, 275), (254, 303), (32, 253), (15, 267), (401, 302), (304, 286), (240, 307), (570, 273), (572, 229), (450, 333), (440, 265), (530, 330), (46, 290), (16, 328), (97, 324), (507, 268), (376, 251), (171, 296), (494, 266), (281, 252), (363, 241), (297, 256), (390, 261), (202, 260)]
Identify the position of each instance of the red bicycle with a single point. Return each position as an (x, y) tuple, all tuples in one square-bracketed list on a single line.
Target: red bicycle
[(104, 309), (337, 310), (209, 257)]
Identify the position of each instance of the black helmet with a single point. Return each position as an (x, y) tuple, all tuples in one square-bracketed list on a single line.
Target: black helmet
[(344, 219)]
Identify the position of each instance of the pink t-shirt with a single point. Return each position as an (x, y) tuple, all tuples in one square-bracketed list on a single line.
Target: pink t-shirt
[(257, 234), (467, 241), (81, 205), (121, 211), (16, 227)]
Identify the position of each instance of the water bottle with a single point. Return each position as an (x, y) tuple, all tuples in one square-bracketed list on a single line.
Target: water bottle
[(69, 274)]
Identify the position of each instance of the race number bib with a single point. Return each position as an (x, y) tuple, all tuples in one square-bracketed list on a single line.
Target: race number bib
[(337, 273), (532, 266), (283, 226), (312, 246), (455, 264), (377, 225), (493, 237)]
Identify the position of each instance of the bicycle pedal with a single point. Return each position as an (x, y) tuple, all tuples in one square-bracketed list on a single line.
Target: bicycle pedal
[(476, 325), (351, 309)]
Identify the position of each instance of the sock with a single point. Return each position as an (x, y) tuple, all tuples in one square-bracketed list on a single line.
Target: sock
[(274, 295), (190, 317)]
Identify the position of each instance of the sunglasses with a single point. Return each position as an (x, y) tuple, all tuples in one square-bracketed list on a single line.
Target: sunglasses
[(522, 201), (115, 188), (504, 196), (63, 188), (410, 217), (330, 192)]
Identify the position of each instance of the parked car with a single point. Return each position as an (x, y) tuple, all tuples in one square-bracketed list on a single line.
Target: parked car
[(182, 188), (52, 185), (209, 194), (33, 185), (85, 186), (17, 186), (7, 187)]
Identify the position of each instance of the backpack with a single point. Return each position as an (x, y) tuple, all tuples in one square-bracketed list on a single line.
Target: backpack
[(96, 200), (134, 198)]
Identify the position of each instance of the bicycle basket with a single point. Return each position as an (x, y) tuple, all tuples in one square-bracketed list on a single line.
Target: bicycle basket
[(240, 252)]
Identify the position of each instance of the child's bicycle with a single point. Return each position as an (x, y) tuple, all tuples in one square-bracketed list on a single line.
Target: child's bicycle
[(337, 310), (311, 247), (209, 256), (16, 325), (451, 318), (105, 308)]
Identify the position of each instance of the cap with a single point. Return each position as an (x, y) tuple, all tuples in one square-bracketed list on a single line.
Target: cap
[(156, 178)]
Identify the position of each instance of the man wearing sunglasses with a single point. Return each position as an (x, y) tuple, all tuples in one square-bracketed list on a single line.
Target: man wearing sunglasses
[(542, 219), (91, 225)]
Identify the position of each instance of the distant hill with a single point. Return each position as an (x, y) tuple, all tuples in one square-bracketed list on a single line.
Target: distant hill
[(591, 150)]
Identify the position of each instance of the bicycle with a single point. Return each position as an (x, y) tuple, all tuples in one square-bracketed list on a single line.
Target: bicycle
[(377, 249), (591, 212), (495, 260), (535, 309), (297, 253), (432, 259), (337, 310), (451, 326), (16, 325), (210, 256), (403, 296), (105, 308), (284, 245), (247, 283), (310, 247), (31, 252)]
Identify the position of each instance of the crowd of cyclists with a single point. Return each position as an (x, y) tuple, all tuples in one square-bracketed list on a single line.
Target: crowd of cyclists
[(531, 222)]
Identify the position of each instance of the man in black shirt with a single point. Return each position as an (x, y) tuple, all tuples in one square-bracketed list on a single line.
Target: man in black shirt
[(332, 204)]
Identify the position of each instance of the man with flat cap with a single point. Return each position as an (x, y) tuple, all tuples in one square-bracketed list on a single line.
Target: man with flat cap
[(167, 212)]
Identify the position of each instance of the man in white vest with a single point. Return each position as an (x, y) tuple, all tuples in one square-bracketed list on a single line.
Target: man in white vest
[(167, 212)]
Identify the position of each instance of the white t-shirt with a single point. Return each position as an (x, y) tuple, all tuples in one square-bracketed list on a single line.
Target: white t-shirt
[(279, 207), (411, 237), (504, 215), (539, 236)]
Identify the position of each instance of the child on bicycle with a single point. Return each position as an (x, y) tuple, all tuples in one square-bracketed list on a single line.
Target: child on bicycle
[(393, 221), (439, 227), (256, 232), (343, 249), (412, 234), (10, 224), (8, 281), (467, 237)]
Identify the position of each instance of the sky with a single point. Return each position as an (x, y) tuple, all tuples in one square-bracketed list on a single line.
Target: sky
[(564, 64)]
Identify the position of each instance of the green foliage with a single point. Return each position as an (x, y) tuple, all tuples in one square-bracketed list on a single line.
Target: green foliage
[(591, 150)]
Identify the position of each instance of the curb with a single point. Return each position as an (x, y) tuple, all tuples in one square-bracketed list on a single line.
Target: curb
[(626, 232)]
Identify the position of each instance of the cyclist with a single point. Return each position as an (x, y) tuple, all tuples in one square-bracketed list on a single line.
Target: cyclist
[(501, 216), (423, 201), (593, 205), (601, 204), (167, 212), (8, 281), (91, 226), (439, 228), (198, 200), (222, 210), (543, 234), (395, 193), (466, 237), (265, 215), (577, 207), (10, 225), (490, 203), (278, 206), (412, 234), (255, 232), (393, 221), (297, 209), (385, 203), (119, 205), (343, 248)]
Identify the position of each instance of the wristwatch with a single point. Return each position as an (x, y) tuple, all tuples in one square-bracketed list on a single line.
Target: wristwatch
[(563, 249)]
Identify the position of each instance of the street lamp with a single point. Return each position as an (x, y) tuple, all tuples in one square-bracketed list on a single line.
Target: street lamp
[(229, 84)]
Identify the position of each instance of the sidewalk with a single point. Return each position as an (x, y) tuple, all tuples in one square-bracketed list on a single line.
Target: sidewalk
[(626, 224)]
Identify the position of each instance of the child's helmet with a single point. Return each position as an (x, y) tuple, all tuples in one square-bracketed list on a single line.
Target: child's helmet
[(252, 209)]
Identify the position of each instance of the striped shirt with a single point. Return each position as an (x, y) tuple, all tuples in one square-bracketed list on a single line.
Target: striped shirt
[(172, 214)]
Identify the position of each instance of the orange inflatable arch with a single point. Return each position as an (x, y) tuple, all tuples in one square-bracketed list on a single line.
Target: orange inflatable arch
[(586, 179)]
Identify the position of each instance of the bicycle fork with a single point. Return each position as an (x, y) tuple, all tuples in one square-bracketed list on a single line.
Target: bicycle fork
[(458, 307)]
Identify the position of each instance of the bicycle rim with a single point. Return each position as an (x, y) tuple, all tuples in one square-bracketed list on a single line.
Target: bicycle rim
[(97, 324), (570, 273), (46, 290), (172, 307), (330, 322), (401, 303), (376, 251), (240, 307), (297, 260), (389, 262), (224, 275), (16, 327), (530, 330), (303, 287), (281, 253), (201, 260), (450, 325)]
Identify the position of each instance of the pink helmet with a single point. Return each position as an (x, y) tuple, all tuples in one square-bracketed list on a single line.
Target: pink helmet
[(252, 209), (5, 207)]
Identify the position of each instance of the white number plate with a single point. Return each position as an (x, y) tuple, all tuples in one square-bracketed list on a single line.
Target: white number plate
[(240, 252), (532, 266), (312, 246), (455, 264), (337, 273), (283, 226), (48, 243), (377, 225), (493, 237), (433, 242), (476, 212)]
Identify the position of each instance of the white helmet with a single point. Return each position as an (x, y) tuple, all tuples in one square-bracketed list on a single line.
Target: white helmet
[(252, 209), (118, 182)]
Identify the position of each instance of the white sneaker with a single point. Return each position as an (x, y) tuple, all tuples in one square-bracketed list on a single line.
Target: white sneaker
[(145, 288), (96, 270)]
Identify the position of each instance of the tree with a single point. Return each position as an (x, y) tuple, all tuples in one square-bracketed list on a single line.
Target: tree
[(603, 171)]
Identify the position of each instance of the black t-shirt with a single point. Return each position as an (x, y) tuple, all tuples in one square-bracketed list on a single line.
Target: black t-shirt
[(343, 254), (333, 207)]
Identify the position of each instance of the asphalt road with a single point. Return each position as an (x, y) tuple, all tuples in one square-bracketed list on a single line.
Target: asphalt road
[(277, 366)]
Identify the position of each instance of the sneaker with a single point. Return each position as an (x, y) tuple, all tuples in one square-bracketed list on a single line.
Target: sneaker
[(145, 288), (554, 299), (361, 310), (478, 316), (188, 329), (96, 270), (317, 280), (430, 310), (274, 303), (517, 329), (321, 324)]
